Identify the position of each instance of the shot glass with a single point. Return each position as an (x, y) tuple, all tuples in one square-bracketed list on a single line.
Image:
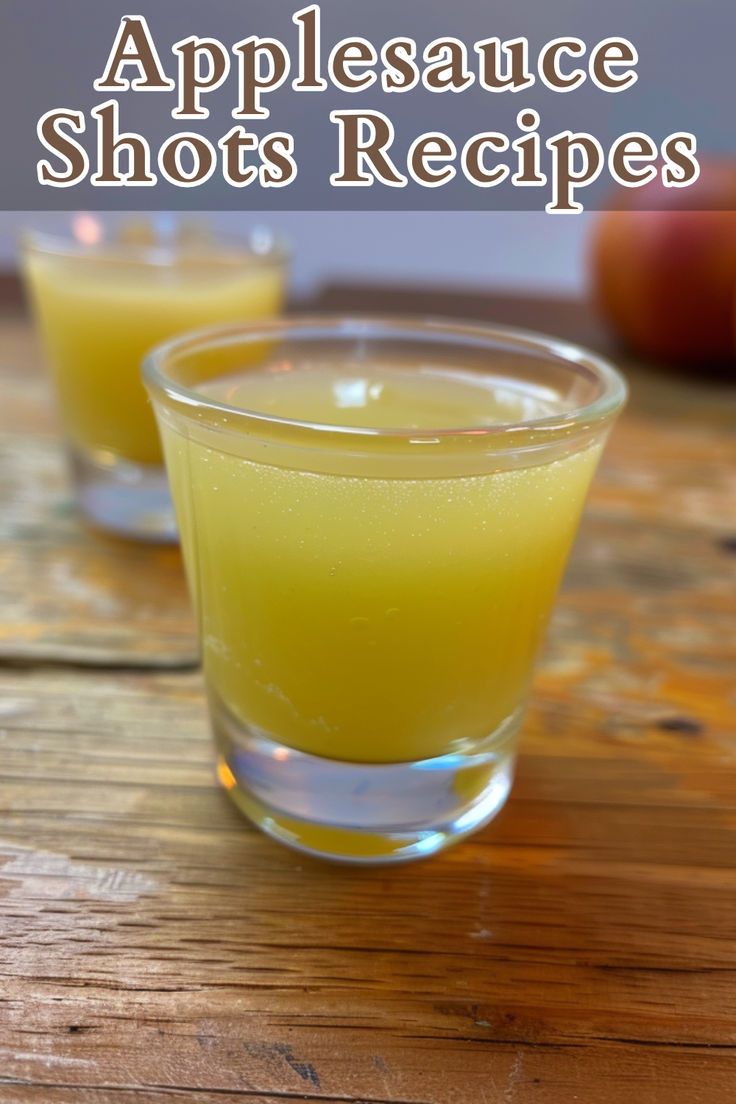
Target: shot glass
[(104, 295), (375, 516)]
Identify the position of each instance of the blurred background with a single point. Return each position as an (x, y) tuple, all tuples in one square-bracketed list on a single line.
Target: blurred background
[(686, 80), (516, 251)]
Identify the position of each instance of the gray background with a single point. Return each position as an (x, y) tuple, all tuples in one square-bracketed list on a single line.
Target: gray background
[(523, 250), (52, 50)]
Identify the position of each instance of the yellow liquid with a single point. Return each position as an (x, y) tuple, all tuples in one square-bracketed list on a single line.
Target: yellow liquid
[(99, 317), (372, 619)]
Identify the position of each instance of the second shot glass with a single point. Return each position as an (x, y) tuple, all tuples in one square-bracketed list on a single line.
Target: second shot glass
[(103, 295), (375, 515)]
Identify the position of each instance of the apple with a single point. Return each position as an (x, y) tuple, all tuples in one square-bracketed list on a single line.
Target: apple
[(664, 267)]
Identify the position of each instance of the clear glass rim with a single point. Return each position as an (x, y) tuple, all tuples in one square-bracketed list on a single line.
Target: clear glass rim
[(259, 246), (192, 403)]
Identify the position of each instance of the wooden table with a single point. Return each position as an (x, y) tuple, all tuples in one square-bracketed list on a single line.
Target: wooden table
[(582, 948)]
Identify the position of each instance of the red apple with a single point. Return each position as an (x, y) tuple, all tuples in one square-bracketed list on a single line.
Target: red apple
[(664, 267)]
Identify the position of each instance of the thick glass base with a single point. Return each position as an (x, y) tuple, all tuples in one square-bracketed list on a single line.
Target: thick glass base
[(363, 812), (128, 499)]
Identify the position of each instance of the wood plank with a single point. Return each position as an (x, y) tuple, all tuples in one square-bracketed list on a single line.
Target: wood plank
[(587, 933)]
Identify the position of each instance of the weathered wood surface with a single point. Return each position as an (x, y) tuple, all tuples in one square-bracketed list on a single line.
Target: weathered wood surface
[(67, 593), (582, 948)]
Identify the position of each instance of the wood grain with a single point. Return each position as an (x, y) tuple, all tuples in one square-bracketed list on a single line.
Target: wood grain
[(68, 593), (582, 948)]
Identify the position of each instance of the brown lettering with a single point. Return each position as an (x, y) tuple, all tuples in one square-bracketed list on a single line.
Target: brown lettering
[(133, 46), (111, 143), (352, 52)]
